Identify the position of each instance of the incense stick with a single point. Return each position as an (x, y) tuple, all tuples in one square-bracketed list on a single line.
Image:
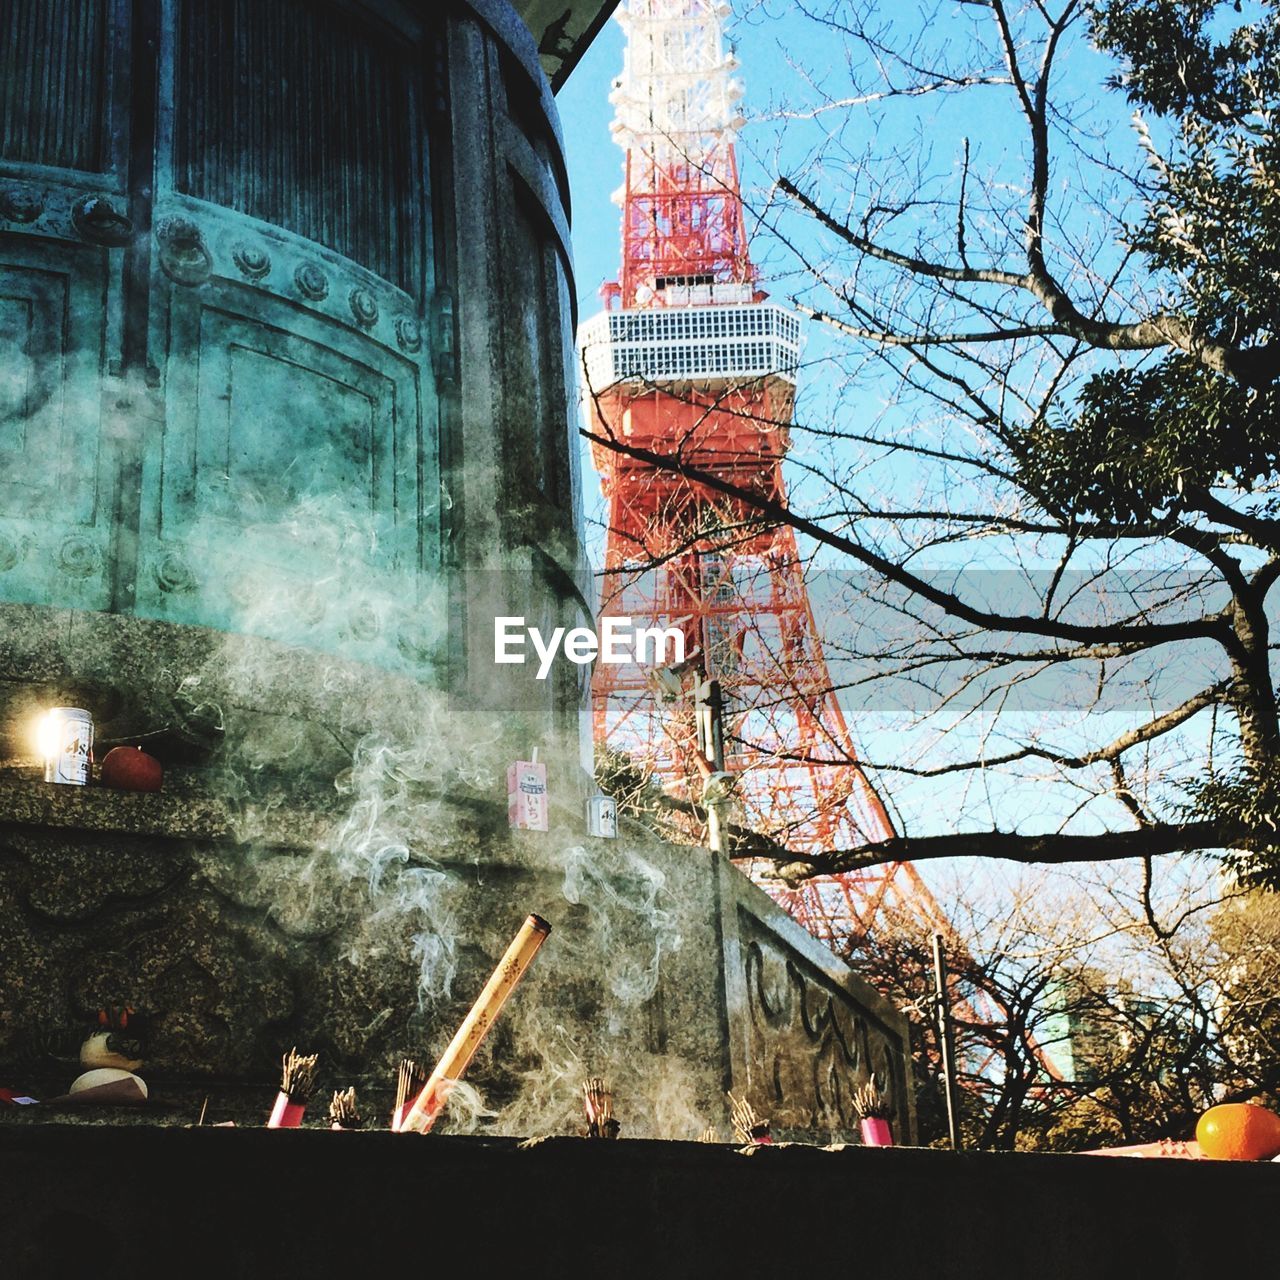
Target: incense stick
[(598, 1101), (869, 1102), (410, 1078), (747, 1123), (343, 1113)]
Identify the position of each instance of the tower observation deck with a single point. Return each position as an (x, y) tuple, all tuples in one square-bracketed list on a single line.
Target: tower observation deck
[(692, 367)]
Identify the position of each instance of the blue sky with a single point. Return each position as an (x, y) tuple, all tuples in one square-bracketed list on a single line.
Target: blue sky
[(780, 51)]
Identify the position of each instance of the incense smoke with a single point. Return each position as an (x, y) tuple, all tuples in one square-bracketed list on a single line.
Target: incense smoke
[(406, 865), (633, 921)]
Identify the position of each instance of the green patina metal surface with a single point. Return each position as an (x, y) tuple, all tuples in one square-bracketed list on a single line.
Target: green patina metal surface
[(285, 318), (218, 400)]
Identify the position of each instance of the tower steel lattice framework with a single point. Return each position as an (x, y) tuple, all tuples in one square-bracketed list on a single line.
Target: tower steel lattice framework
[(691, 361)]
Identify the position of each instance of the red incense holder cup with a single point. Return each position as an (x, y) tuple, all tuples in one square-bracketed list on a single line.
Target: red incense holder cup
[(876, 1132), (430, 1109), (286, 1114)]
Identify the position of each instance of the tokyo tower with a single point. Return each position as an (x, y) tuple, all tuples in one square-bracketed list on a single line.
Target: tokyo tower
[(692, 362)]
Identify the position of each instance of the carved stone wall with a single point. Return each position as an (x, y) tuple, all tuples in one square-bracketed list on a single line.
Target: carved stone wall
[(239, 925), (804, 1031)]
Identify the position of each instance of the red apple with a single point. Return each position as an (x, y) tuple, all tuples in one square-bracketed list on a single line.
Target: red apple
[(131, 769)]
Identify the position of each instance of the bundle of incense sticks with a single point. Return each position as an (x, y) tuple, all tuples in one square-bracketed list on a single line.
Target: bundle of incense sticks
[(475, 1026), (869, 1102), (343, 1113), (750, 1127), (409, 1081), (599, 1104), (297, 1083)]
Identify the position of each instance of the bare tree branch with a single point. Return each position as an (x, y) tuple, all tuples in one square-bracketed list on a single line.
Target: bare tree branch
[(1053, 848)]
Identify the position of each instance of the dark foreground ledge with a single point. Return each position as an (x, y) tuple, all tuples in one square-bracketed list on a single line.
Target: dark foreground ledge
[(140, 1201)]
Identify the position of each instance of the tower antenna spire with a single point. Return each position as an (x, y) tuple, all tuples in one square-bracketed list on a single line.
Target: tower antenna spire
[(676, 118)]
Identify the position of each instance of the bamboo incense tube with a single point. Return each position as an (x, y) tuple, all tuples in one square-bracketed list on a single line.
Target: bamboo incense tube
[(475, 1026)]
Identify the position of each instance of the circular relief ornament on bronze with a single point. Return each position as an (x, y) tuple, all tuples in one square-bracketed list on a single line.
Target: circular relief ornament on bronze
[(173, 574), (311, 281), (17, 204), (409, 335), (309, 607), (365, 624), (252, 260), (78, 558), (10, 554), (183, 255), (97, 220), (364, 306)]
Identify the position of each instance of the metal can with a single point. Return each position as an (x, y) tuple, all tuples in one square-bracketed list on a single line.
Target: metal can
[(602, 817), (66, 740)]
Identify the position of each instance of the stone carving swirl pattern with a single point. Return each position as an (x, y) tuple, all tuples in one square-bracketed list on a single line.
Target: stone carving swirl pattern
[(811, 1042)]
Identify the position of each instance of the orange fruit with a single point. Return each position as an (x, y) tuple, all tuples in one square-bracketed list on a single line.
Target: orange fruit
[(1239, 1131)]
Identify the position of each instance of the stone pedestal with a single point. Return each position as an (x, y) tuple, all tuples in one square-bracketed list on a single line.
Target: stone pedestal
[(242, 927), (333, 870)]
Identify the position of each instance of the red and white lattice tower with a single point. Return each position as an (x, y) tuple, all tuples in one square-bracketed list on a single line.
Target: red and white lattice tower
[(691, 358)]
